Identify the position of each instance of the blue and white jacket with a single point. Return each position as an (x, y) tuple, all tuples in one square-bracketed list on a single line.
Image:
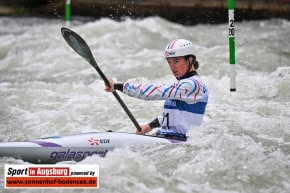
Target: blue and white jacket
[(185, 102)]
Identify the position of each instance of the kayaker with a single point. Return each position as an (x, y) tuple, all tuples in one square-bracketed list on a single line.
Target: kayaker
[(185, 99)]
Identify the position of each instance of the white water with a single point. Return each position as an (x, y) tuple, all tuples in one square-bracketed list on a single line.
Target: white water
[(243, 145)]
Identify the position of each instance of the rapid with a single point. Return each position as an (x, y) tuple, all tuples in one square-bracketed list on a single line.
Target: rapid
[(243, 145)]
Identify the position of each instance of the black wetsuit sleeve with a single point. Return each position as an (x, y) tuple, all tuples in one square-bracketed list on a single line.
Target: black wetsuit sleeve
[(155, 123), (119, 86)]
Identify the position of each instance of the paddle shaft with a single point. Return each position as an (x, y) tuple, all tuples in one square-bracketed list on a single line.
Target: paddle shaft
[(79, 45), (103, 76)]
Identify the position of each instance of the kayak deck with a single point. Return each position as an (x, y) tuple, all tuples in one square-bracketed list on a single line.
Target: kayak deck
[(75, 147)]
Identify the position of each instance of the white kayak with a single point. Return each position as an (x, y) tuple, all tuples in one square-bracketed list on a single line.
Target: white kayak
[(75, 147)]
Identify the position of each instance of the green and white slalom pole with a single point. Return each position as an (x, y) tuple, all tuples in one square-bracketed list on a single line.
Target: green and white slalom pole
[(67, 11), (231, 8)]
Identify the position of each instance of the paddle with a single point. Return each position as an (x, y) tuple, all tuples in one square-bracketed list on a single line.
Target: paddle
[(79, 45)]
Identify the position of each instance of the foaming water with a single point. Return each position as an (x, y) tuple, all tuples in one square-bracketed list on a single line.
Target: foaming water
[(243, 145)]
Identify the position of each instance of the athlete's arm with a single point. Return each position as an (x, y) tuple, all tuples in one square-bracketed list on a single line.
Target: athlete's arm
[(189, 90), (148, 127)]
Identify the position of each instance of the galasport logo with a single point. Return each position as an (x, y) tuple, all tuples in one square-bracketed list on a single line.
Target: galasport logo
[(96, 142)]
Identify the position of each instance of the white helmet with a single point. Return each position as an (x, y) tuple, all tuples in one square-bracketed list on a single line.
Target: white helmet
[(179, 47)]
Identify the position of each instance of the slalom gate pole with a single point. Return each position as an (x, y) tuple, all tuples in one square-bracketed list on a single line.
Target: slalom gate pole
[(231, 8), (67, 10)]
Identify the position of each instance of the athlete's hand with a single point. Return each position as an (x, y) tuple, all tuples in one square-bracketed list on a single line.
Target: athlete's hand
[(110, 87), (145, 129)]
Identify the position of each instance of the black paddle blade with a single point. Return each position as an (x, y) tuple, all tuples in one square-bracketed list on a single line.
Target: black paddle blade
[(78, 44)]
